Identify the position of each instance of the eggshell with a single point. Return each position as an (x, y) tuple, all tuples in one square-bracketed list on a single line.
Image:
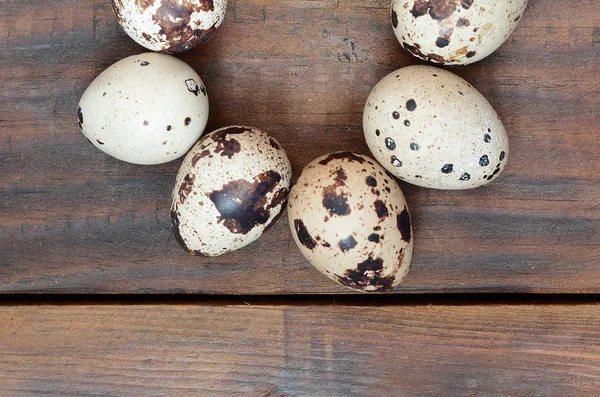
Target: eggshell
[(169, 25), (230, 189), (145, 109), (456, 32), (350, 220), (431, 128)]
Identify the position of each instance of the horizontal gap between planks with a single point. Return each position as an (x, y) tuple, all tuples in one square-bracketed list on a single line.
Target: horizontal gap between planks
[(301, 300)]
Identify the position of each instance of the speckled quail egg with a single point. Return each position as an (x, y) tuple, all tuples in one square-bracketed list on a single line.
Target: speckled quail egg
[(169, 25), (231, 187), (145, 109), (431, 128), (350, 220), (455, 32)]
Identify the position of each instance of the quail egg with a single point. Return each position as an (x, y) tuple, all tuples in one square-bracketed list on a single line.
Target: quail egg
[(454, 32), (169, 25), (431, 128), (350, 219), (230, 189), (145, 109)]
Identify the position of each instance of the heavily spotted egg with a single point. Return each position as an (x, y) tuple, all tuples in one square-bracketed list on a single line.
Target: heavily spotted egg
[(169, 25), (350, 220), (454, 32), (431, 128), (145, 109), (230, 189)]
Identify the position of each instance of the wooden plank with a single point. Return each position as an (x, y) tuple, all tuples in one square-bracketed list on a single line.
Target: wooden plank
[(74, 220), (509, 350)]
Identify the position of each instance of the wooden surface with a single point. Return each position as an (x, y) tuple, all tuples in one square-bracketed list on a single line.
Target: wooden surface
[(300, 351), (74, 220)]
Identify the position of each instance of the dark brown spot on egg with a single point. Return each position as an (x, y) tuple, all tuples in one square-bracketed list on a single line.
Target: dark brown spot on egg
[(448, 168), (435, 58), (243, 204), (279, 198), (367, 276), (390, 143), (442, 9), (471, 54), (228, 147), (199, 156), (466, 4), (403, 223), (347, 244), (396, 162), (303, 235), (394, 19), (411, 105), (496, 172), (145, 63), (442, 42), (186, 187), (146, 123), (420, 8), (340, 177), (335, 203), (349, 156), (192, 86), (438, 9), (462, 22), (381, 209), (502, 155), (187, 121), (168, 128), (371, 181), (374, 238), (484, 161), (221, 134), (80, 117), (465, 177), (99, 142)]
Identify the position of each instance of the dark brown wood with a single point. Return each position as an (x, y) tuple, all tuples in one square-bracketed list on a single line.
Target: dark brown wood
[(281, 351), (74, 220)]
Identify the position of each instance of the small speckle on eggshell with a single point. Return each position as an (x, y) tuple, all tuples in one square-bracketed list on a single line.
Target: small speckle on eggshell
[(454, 135), (231, 187), (365, 240)]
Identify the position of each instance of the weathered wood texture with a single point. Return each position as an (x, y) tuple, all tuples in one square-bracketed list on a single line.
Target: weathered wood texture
[(300, 351), (74, 220)]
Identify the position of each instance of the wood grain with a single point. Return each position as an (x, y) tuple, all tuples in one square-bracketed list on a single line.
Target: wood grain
[(518, 350), (74, 220)]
